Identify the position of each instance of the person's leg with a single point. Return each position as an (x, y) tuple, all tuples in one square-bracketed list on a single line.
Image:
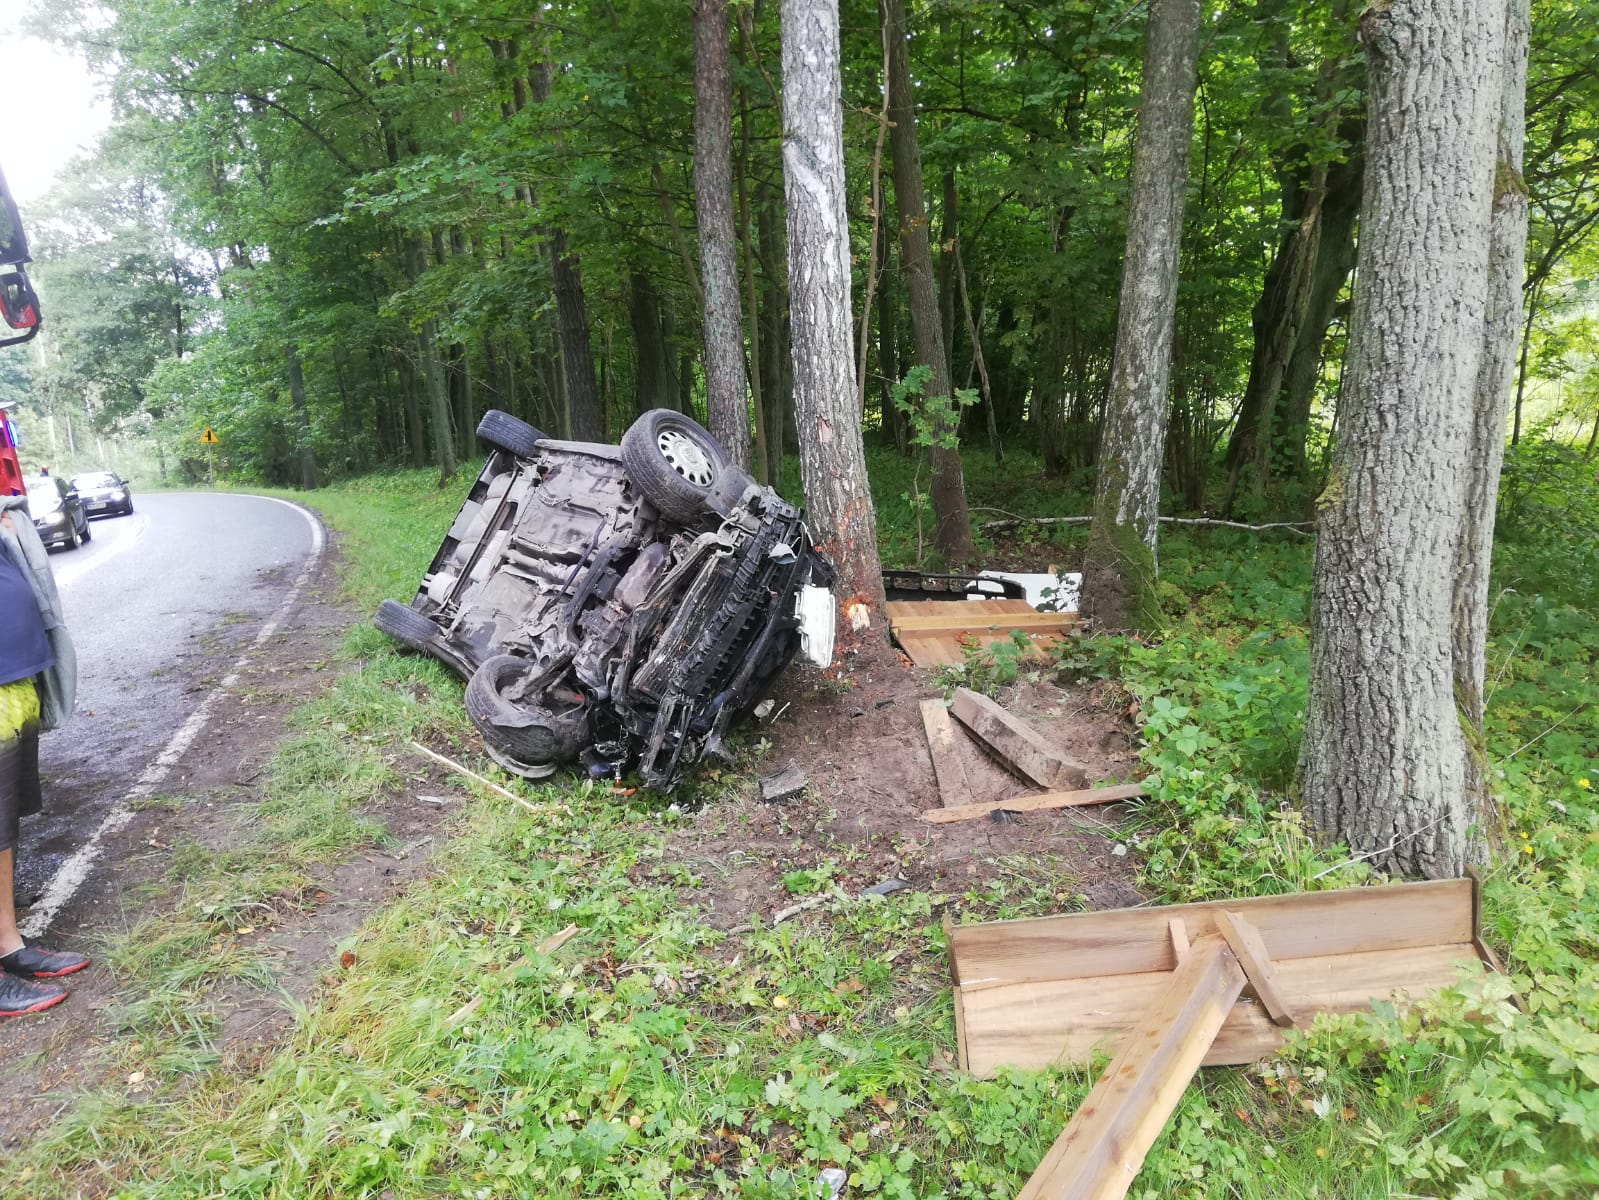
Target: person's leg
[(10, 938)]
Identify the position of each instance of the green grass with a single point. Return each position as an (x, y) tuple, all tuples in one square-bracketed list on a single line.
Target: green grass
[(653, 1056)]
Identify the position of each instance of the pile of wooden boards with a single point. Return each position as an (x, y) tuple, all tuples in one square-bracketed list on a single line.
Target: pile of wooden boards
[(1017, 746), (937, 633), (1167, 990)]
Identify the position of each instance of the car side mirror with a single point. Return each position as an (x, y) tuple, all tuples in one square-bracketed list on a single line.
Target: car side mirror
[(19, 305)]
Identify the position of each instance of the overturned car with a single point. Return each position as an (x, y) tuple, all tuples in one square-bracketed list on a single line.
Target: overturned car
[(617, 606)]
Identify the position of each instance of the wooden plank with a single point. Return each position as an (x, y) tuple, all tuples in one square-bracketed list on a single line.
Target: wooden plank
[(1034, 1025), (1016, 744), (1102, 1148), (944, 746), (1047, 800), (1179, 937), (1251, 954), (1129, 940), (962, 620)]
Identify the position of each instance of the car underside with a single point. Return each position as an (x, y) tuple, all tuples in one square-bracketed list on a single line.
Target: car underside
[(618, 606)]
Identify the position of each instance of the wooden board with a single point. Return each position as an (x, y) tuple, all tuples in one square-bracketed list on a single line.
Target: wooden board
[(1066, 1021), (1044, 800), (1244, 940), (1102, 1148), (959, 623), (943, 743), (1020, 747), (1130, 940)]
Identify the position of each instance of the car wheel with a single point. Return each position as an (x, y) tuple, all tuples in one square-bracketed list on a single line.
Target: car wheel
[(88, 534), (534, 735), (127, 509), (673, 461), (502, 431), (74, 538), (405, 625)]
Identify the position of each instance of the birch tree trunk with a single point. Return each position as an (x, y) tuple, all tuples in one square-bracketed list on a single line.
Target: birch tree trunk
[(832, 458), (1118, 589), (1507, 254), (952, 533), (1383, 763), (726, 404)]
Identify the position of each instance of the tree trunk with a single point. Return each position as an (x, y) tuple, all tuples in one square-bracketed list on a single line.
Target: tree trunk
[(644, 314), (1118, 589), (775, 397), (1335, 258), (305, 473), (1382, 763), (832, 458), (1506, 265), (952, 533), (582, 393), (726, 400)]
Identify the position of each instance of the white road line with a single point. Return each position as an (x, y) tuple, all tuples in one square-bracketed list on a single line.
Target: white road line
[(75, 871), (80, 564)]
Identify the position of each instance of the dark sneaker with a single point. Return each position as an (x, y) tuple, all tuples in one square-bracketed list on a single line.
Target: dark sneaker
[(35, 962), (19, 996)]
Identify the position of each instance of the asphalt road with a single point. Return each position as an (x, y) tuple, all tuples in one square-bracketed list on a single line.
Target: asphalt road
[(160, 605)]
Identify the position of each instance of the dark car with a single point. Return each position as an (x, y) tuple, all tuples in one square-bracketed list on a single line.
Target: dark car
[(103, 492), (618, 605), (57, 512)]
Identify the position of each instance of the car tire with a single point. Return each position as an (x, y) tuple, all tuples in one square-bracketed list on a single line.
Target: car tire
[(74, 538), (528, 737), (88, 534), (674, 462), (501, 431), (405, 625), (127, 509)]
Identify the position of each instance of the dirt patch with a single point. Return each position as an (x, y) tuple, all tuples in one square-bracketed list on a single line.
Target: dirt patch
[(857, 733)]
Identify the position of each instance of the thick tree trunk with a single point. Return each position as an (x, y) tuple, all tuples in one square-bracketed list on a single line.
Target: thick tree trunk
[(952, 533), (1118, 589), (1383, 762), (644, 314), (832, 458), (1506, 264), (775, 384), (726, 401), (582, 392)]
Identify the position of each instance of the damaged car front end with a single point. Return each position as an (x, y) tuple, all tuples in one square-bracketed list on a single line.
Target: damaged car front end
[(617, 606)]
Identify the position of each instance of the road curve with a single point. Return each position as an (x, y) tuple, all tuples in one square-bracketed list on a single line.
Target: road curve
[(161, 604)]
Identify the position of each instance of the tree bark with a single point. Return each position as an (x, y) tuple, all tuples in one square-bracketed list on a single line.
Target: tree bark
[(1120, 565), (952, 533), (571, 310), (832, 458), (726, 400), (1506, 265), (1383, 761), (650, 372), (305, 472)]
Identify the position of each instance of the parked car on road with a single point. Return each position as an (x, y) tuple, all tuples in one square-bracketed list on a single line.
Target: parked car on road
[(57, 512), (621, 606), (103, 492)]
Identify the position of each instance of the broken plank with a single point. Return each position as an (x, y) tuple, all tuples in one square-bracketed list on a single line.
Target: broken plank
[(1102, 1148), (1047, 800), (1016, 744), (1251, 953), (943, 745), (957, 621)]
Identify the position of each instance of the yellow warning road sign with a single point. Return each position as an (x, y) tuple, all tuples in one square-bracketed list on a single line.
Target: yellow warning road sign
[(209, 437)]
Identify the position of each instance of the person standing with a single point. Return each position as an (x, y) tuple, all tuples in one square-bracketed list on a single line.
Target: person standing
[(38, 684)]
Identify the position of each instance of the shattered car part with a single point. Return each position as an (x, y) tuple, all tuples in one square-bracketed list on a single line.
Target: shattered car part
[(619, 605)]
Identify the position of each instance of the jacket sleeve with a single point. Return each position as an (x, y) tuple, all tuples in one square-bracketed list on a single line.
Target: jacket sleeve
[(58, 687)]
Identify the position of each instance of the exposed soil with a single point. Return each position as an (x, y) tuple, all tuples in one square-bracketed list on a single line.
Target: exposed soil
[(857, 734)]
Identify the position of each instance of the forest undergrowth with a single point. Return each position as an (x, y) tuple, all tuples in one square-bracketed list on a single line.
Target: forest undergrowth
[(652, 1055)]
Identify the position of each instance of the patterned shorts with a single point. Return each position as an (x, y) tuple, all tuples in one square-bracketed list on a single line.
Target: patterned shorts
[(19, 757)]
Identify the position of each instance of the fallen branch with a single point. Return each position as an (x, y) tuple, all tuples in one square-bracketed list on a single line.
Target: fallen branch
[(793, 910), (1012, 520), (473, 775)]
